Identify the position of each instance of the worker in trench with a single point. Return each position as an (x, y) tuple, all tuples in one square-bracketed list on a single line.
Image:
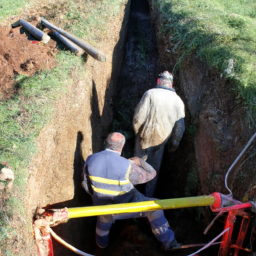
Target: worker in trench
[(158, 119), (110, 178)]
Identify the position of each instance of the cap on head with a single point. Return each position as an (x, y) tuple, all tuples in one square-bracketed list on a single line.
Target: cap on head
[(165, 79), (115, 141)]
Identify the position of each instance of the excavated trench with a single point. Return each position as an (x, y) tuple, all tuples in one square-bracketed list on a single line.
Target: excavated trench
[(178, 176)]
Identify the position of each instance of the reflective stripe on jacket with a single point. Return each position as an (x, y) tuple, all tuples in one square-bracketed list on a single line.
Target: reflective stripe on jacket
[(108, 174)]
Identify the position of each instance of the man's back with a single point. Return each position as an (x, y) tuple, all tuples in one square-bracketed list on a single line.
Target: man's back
[(103, 163), (108, 176), (155, 116)]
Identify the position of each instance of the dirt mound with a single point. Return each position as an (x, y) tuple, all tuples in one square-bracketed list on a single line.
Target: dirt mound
[(20, 53)]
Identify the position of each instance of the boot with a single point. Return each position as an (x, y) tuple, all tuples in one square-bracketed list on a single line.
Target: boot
[(173, 245)]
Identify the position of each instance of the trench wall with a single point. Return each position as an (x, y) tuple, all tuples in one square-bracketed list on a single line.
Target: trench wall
[(217, 126), (81, 122)]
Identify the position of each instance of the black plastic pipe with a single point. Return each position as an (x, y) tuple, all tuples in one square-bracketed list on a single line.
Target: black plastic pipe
[(92, 51), (37, 33), (66, 42)]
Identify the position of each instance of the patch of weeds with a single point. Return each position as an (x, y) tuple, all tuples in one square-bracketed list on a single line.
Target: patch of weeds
[(3, 182), (87, 20), (11, 7), (235, 22), (12, 206)]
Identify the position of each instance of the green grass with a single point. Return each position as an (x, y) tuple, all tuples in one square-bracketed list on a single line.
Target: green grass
[(11, 7), (84, 23), (21, 120), (219, 32), (23, 117), (84, 19)]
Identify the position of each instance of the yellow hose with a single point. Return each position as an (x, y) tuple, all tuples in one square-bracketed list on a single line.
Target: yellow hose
[(132, 207), (72, 248), (140, 206)]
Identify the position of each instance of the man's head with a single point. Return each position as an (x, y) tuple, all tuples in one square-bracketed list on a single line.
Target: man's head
[(165, 79), (115, 141)]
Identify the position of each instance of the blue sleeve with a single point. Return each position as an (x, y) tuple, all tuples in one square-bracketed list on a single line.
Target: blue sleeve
[(86, 185)]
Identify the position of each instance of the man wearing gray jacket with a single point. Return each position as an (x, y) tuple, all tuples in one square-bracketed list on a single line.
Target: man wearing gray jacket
[(158, 118)]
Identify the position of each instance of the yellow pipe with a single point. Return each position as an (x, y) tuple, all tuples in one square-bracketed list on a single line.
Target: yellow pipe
[(140, 206)]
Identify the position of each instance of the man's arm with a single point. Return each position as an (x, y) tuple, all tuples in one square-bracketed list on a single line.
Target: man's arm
[(141, 113), (176, 136), (85, 183), (141, 172)]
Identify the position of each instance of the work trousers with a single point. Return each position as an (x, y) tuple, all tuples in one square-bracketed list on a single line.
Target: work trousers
[(154, 158), (159, 225)]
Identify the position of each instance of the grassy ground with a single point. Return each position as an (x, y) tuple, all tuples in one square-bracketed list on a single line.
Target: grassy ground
[(221, 33), (11, 7), (22, 117)]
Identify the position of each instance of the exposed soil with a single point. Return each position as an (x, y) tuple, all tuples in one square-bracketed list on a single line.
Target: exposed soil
[(21, 54)]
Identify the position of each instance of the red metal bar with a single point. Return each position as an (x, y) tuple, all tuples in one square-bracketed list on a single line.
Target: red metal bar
[(231, 208), (42, 247), (226, 239), (192, 245), (242, 233), (240, 248), (50, 247)]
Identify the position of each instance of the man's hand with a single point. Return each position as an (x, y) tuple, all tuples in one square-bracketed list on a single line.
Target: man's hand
[(135, 160), (141, 172)]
